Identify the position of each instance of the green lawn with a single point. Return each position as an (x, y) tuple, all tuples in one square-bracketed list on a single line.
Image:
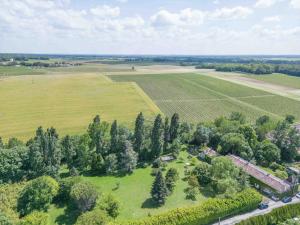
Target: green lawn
[(67, 102), (201, 98), (134, 193), (279, 79)]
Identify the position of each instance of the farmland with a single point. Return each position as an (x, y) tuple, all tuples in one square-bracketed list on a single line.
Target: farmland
[(67, 103), (202, 98), (278, 79)]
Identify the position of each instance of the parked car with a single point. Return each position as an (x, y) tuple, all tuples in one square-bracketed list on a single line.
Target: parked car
[(263, 205), (275, 198), (298, 195), (287, 199)]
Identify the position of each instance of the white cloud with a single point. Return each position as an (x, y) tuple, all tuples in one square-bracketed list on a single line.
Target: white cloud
[(272, 19), (122, 1), (186, 17), (238, 12), (295, 4), (105, 11), (265, 3)]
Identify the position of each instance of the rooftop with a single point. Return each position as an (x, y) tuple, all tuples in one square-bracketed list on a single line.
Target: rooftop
[(277, 184)]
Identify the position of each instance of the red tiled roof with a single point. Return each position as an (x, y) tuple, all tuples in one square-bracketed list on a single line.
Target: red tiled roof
[(277, 184)]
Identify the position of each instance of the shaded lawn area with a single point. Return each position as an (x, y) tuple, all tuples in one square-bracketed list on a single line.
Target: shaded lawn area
[(134, 194)]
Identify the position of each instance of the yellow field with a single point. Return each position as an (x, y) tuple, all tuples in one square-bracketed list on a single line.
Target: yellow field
[(66, 102)]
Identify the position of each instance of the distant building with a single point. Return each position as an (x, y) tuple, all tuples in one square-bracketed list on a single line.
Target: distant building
[(262, 179)]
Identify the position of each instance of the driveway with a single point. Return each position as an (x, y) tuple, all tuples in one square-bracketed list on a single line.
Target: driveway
[(239, 218)]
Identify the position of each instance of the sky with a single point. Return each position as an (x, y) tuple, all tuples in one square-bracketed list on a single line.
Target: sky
[(166, 27)]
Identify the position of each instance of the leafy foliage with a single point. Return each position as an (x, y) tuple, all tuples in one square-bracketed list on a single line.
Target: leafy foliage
[(84, 196), (35, 218), (37, 195), (159, 189), (95, 217)]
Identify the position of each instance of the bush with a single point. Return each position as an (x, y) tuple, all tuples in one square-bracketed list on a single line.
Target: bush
[(37, 195), (275, 216), (109, 204), (35, 218), (95, 217), (207, 212), (84, 196)]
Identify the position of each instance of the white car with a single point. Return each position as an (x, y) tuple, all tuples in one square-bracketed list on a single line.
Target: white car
[(298, 195)]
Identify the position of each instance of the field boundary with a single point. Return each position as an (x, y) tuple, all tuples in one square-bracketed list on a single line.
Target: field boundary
[(146, 98)]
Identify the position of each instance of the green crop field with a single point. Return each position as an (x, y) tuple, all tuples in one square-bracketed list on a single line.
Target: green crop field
[(22, 70), (280, 79), (66, 102), (135, 199), (200, 98)]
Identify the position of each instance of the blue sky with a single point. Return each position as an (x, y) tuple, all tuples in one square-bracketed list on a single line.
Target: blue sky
[(195, 27)]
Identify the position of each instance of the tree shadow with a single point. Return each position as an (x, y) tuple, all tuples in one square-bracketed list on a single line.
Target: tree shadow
[(69, 217), (149, 204)]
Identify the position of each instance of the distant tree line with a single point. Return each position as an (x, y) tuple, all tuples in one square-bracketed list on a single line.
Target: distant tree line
[(259, 68)]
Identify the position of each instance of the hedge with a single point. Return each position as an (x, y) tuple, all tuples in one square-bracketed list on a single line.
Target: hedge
[(206, 213), (275, 216)]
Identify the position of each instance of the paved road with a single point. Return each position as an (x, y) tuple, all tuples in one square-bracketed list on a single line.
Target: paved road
[(272, 205)]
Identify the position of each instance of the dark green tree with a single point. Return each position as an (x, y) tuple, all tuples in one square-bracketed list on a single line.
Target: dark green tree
[(166, 135), (202, 172), (68, 150), (114, 137), (13, 164), (290, 119), (201, 135), (159, 190), (37, 195), (174, 127), (156, 138), (84, 195), (287, 139), (93, 130), (111, 164), (139, 134), (267, 153), (44, 153), (172, 176), (128, 159)]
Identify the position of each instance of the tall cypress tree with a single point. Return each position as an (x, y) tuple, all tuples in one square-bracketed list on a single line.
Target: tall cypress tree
[(139, 134), (159, 190), (68, 150), (114, 137), (93, 131), (174, 127), (44, 153), (166, 134), (156, 138)]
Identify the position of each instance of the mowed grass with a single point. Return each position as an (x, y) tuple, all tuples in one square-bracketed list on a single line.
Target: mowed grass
[(201, 98), (279, 79), (134, 193), (67, 102)]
